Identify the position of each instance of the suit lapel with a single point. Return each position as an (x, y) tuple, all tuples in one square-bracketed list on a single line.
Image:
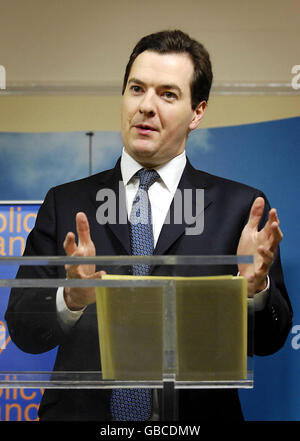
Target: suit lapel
[(191, 179), (119, 226)]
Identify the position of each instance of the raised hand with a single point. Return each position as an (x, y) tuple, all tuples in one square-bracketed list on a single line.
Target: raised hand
[(78, 298), (261, 244)]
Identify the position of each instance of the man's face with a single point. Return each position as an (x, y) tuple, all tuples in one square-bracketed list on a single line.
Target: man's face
[(156, 107)]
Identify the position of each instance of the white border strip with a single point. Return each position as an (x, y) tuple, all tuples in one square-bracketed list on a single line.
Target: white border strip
[(21, 202)]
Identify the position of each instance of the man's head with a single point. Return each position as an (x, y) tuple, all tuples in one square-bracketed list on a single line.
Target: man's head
[(166, 87), (166, 42)]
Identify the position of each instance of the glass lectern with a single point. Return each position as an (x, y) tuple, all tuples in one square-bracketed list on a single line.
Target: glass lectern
[(168, 331)]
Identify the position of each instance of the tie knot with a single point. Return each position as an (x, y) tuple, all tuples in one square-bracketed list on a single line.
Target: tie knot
[(147, 177)]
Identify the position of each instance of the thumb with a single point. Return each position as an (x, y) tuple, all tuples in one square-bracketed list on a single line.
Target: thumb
[(256, 212)]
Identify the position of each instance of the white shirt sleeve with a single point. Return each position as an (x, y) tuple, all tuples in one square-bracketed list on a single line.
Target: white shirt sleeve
[(260, 298), (67, 318)]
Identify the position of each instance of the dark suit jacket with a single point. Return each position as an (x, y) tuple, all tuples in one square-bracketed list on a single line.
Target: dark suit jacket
[(31, 313)]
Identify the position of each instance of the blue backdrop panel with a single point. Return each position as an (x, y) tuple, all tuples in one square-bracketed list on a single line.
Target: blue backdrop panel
[(16, 220)]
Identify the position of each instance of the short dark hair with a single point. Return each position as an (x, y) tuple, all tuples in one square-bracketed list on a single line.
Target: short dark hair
[(177, 41)]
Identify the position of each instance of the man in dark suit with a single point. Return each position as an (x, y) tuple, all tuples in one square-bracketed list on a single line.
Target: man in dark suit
[(165, 93)]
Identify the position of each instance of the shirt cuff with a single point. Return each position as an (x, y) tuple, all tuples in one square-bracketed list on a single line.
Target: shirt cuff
[(67, 318), (260, 298)]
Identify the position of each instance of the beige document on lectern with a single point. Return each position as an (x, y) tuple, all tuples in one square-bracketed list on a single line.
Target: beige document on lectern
[(211, 329)]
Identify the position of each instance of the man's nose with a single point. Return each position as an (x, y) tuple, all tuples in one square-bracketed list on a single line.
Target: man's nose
[(147, 104)]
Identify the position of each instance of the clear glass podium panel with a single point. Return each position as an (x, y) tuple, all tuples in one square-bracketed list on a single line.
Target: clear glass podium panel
[(193, 329)]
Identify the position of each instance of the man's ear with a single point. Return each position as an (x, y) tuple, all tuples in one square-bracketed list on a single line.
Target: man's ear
[(198, 115)]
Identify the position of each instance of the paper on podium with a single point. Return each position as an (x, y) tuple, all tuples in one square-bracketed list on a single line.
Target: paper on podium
[(211, 326)]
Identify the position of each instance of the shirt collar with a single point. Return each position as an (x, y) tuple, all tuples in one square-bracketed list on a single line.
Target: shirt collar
[(170, 172), (129, 167)]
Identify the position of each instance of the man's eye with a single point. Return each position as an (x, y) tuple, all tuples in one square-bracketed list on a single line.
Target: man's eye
[(136, 89), (170, 95)]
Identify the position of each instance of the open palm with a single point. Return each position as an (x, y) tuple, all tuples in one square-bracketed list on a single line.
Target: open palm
[(261, 244)]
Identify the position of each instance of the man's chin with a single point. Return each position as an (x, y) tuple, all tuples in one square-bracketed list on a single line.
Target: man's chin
[(144, 155), (143, 150)]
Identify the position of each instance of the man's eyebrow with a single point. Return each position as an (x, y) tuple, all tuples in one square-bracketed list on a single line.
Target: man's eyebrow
[(162, 86), (136, 81)]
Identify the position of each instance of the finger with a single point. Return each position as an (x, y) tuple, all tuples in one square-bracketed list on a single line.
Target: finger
[(97, 275), (272, 217), (276, 236), (69, 244), (75, 272), (267, 260), (256, 212), (83, 229)]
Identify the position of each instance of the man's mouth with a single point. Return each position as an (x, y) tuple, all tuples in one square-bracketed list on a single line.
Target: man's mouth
[(145, 128)]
